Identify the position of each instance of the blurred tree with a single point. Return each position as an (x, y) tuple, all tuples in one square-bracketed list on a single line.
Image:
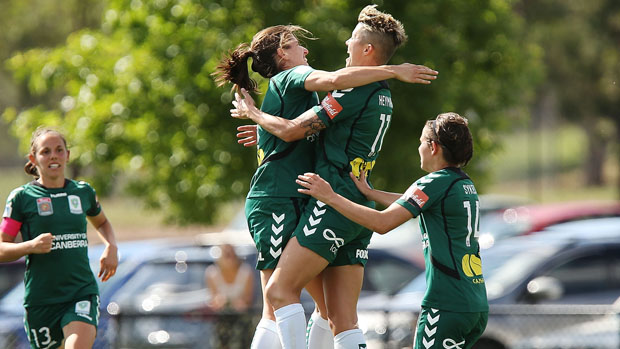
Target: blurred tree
[(35, 23), (137, 102), (581, 41)]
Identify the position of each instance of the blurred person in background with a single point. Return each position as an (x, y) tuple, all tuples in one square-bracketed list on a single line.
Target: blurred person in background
[(455, 308), (61, 299), (273, 206), (231, 284)]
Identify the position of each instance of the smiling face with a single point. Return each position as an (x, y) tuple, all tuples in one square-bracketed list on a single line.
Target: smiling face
[(50, 155), (355, 47)]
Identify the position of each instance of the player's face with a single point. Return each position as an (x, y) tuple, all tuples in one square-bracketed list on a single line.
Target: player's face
[(295, 54), (425, 151), (355, 47), (51, 156)]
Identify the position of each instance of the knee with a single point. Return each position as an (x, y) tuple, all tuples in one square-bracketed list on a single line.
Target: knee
[(342, 322), (275, 295)]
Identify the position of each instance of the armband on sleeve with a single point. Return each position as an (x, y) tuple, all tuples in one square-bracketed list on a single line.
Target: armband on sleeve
[(10, 226)]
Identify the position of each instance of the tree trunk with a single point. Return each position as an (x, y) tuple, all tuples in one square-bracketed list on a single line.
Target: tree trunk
[(597, 145)]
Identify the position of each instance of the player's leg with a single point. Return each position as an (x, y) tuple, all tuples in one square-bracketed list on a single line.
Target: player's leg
[(79, 335), (343, 285), (266, 334), (79, 323), (271, 222), (318, 333), (297, 266)]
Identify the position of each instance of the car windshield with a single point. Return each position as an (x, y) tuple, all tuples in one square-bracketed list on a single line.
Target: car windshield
[(164, 283), (504, 265)]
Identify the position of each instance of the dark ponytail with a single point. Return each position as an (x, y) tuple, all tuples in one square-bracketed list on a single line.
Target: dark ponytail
[(263, 50), (234, 68)]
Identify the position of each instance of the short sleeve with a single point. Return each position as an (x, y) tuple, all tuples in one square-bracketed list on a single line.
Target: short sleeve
[(11, 209), (93, 201), (298, 75), (423, 193)]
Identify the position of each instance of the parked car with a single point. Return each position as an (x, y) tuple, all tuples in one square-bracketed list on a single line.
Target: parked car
[(528, 219), (166, 302), (528, 279), (12, 333)]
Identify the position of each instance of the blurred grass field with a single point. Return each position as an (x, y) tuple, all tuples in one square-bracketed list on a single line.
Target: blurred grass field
[(546, 168)]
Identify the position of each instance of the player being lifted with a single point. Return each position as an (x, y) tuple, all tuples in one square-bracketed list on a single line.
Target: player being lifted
[(455, 308), (353, 123)]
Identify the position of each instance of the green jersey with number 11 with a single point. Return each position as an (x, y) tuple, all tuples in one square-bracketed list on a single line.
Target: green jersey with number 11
[(357, 120), (448, 206)]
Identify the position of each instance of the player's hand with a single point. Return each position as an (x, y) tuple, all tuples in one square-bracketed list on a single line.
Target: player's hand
[(42, 243), (243, 106), (415, 74), (108, 262), (247, 135), (316, 186), (361, 183)]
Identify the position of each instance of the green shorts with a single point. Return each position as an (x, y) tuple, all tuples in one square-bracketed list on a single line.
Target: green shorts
[(445, 329), (332, 236), (44, 323), (271, 222)]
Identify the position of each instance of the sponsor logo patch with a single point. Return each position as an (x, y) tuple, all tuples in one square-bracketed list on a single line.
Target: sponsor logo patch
[(331, 106), (418, 196), (44, 205)]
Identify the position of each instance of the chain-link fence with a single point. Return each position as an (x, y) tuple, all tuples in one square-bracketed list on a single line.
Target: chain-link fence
[(509, 327)]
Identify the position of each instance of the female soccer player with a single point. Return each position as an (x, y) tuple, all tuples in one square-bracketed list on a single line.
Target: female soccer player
[(273, 206), (61, 299), (455, 308)]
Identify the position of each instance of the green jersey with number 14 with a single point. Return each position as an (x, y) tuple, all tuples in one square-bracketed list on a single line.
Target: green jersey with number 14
[(448, 206)]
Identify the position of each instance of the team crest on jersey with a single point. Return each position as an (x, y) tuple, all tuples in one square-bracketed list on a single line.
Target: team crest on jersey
[(44, 205), (75, 204), (82, 307), (331, 106)]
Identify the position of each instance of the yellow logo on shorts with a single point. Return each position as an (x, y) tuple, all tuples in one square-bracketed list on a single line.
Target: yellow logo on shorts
[(472, 265)]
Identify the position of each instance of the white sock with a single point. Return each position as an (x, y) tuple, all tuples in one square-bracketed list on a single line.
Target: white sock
[(350, 339), (266, 335), (291, 323), (319, 334)]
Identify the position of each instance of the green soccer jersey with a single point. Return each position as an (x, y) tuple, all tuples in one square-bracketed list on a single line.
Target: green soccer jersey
[(64, 273), (357, 120), (280, 162), (448, 206)]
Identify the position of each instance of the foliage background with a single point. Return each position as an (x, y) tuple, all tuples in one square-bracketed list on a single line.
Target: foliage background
[(131, 86)]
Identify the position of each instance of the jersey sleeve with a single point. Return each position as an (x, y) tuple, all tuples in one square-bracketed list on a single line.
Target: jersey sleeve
[(297, 77), (93, 201), (12, 207), (341, 104), (422, 194)]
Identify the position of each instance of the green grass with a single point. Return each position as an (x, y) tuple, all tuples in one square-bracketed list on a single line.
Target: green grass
[(547, 166)]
